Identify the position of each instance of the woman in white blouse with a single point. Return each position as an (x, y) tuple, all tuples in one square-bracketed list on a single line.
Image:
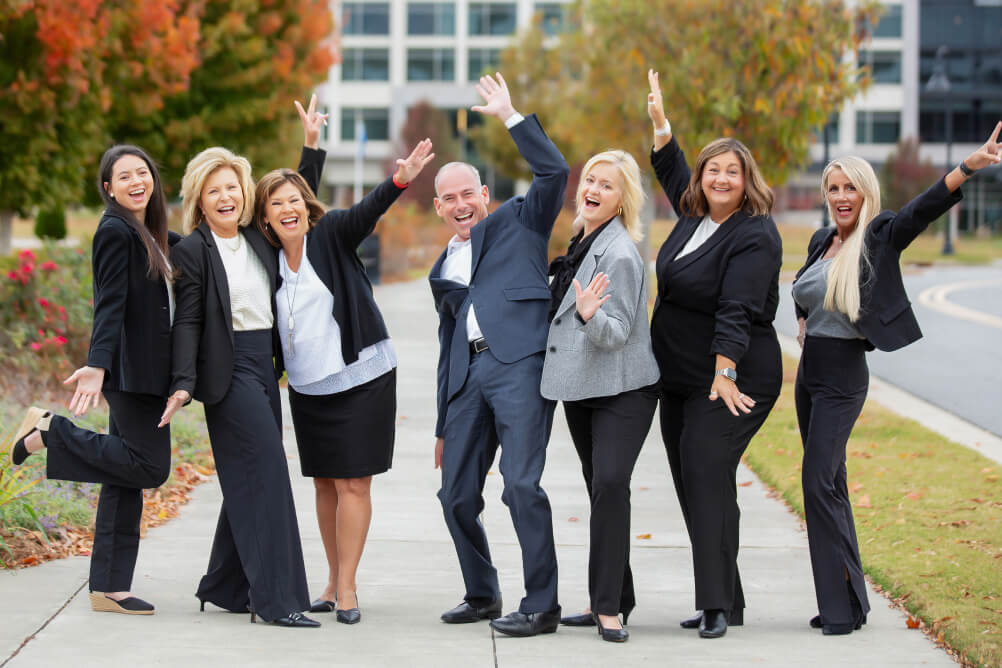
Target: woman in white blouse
[(338, 356)]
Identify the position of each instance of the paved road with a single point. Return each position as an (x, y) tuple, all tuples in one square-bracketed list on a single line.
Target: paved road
[(409, 574), (956, 365)]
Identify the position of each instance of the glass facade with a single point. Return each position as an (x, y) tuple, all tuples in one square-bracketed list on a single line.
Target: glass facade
[(492, 18), (365, 18), (376, 122), (885, 66), (878, 127), (554, 17), (431, 18), (365, 65), (431, 64), (480, 61), (889, 23)]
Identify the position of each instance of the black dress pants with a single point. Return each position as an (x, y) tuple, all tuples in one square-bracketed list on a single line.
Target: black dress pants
[(832, 381), (133, 455), (705, 442), (608, 433), (257, 557)]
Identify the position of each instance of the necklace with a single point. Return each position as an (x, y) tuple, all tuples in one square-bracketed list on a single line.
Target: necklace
[(291, 302), (232, 249)]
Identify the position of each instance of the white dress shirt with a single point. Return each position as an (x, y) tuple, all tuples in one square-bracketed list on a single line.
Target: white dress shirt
[(705, 230), (247, 279), (457, 267)]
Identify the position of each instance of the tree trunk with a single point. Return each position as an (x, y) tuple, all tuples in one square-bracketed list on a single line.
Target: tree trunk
[(6, 231)]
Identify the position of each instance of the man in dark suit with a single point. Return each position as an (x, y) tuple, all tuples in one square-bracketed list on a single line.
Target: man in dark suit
[(492, 297)]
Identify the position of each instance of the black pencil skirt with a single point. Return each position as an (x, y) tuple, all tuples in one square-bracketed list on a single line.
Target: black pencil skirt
[(256, 561), (832, 381), (348, 434)]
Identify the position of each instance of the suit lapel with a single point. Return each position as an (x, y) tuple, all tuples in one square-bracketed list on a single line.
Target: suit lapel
[(218, 273), (725, 230), (477, 244), (586, 271)]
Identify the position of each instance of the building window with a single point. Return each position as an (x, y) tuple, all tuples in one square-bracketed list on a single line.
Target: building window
[(833, 129), (375, 121), (365, 65), (554, 17), (365, 18), (482, 60), (885, 66), (878, 127), (889, 23), (431, 18), (431, 65), (492, 18)]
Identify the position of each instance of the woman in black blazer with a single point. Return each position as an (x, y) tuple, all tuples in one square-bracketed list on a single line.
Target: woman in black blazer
[(850, 298), (339, 358), (129, 362), (718, 289), (224, 345)]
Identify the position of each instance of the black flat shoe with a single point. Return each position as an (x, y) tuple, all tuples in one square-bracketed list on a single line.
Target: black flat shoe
[(351, 615), (611, 635), (584, 619), (734, 618), (713, 624), (815, 622), (296, 620), (34, 418), (323, 605), (464, 613), (525, 624)]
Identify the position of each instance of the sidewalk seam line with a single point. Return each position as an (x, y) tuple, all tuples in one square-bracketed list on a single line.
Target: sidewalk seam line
[(41, 628)]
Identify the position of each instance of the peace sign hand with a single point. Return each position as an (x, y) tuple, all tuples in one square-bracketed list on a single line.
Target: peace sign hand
[(407, 170), (989, 153), (655, 104), (313, 122)]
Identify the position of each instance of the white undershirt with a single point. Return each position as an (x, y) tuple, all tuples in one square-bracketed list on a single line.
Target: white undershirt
[(250, 298), (457, 267), (705, 230)]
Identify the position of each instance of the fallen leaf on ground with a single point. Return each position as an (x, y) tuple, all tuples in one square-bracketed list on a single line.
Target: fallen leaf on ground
[(745, 484), (855, 487), (912, 623), (863, 501), (644, 536)]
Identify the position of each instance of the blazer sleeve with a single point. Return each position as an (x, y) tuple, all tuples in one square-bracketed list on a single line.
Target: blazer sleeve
[(311, 166), (188, 315), (612, 324), (110, 262), (672, 172), (545, 197), (353, 225), (446, 327), (915, 216), (748, 274)]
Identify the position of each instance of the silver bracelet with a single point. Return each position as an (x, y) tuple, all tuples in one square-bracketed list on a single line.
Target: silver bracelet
[(665, 131)]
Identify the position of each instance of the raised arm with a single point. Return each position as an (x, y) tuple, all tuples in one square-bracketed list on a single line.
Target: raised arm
[(549, 169), (312, 158), (667, 157)]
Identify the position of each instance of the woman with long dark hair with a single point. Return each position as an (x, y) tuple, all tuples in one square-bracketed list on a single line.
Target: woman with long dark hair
[(129, 363), (850, 298)]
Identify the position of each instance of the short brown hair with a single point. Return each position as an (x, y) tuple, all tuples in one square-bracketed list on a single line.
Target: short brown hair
[(758, 195), (271, 182)]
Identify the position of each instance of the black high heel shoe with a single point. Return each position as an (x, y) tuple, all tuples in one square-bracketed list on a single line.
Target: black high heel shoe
[(351, 615), (611, 635), (294, 620)]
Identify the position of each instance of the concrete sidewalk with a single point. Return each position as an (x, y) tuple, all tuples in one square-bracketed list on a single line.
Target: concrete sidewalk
[(409, 573)]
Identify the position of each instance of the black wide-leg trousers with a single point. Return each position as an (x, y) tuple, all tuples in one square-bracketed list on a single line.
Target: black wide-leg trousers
[(704, 442), (832, 381), (133, 455), (256, 561), (608, 433)]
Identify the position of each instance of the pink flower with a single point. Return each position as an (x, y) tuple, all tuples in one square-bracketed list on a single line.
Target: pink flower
[(26, 256), (62, 313), (35, 345), (13, 275), (41, 333), (60, 340), (44, 303), (48, 265)]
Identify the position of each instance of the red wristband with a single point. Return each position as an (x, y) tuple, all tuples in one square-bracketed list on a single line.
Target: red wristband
[(398, 184)]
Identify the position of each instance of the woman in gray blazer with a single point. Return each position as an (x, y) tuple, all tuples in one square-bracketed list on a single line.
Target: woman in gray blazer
[(599, 362)]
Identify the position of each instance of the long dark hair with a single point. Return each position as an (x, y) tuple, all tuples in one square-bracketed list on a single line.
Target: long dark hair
[(153, 230)]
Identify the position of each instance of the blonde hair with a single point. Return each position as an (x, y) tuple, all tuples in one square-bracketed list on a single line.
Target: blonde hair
[(198, 171), (271, 182), (632, 188), (843, 289), (758, 195)]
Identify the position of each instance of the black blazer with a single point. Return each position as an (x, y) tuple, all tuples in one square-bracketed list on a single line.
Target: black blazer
[(886, 317), (331, 247), (130, 338), (719, 299), (203, 321)]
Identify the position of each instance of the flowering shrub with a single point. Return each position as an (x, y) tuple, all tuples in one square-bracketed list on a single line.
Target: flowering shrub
[(46, 317)]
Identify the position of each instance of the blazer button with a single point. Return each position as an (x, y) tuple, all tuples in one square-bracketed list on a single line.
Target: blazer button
[(553, 349), (557, 321)]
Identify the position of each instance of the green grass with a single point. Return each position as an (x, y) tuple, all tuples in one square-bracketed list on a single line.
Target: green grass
[(928, 515)]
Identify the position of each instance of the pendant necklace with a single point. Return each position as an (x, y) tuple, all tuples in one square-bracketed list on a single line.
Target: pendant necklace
[(291, 303)]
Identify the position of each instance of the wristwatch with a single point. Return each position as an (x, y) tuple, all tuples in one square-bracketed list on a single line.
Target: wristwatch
[(967, 171), (728, 373)]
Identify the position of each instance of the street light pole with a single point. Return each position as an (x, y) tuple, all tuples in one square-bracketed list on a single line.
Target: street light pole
[(939, 83), (825, 221)]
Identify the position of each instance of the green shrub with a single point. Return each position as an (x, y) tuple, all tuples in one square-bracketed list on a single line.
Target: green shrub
[(51, 224)]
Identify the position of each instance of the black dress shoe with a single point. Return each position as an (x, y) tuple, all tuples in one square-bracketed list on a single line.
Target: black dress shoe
[(351, 615), (296, 620), (584, 619), (323, 605), (734, 618), (464, 613), (611, 635), (692, 622), (525, 624), (713, 624)]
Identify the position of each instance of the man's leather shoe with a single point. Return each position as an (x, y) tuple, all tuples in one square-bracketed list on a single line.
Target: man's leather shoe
[(464, 613), (584, 619), (692, 622), (713, 624), (523, 624), (734, 618)]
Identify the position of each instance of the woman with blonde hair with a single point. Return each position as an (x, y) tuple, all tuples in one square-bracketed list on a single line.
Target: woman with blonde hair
[(600, 364), (850, 298), (339, 358), (718, 289), (224, 343)]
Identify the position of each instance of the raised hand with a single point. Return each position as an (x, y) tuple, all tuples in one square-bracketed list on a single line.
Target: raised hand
[(496, 97), (89, 380), (313, 122), (989, 153), (655, 103), (590, 299), (409, 168)]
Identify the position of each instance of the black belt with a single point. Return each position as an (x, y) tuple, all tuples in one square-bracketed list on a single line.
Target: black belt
[(478, 345)]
